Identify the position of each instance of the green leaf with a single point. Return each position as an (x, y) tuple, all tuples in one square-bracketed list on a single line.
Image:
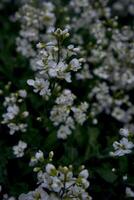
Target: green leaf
[(105, 171)]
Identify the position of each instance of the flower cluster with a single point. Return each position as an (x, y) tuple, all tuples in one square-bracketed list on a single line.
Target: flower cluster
[(61, 113), (33, 20), (122, 8), (15, 114), (57, 183), (108, 54), (124, 146), (53, 61), (40, 85)]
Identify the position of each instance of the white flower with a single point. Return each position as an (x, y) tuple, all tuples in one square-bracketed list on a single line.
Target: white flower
[(124, 132), (84, 73), (50, 168), (84, 173), (13, 116), (25, 114), (22, 127), (66, 98), (129, 192), (61, 68), (59, 114), (56, 185), (75, 64), (70, 122), (58, 32), (52, 68), (6, 197), (39, 155), (85, 183), (80, 112), (18, 150), (68, 77), (40, 85), (22, 93), (61, 182), (125, 177), (122, 147), (13, 128), (12, 112), (118, 113), (63, 132), (39, 193)]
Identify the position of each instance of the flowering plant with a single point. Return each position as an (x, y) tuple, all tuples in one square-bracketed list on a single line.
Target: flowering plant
[(66, 85)]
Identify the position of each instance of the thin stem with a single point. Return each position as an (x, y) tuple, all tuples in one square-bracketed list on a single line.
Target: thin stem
[(59, 50), (64, 187)]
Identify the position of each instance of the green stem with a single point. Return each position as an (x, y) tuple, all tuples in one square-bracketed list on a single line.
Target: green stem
[(59, 50)]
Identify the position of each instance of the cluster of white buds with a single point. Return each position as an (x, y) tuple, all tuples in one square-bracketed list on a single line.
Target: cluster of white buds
[(53, 61), (15, 114), (38, 157), (57, 183), (125, 145)]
